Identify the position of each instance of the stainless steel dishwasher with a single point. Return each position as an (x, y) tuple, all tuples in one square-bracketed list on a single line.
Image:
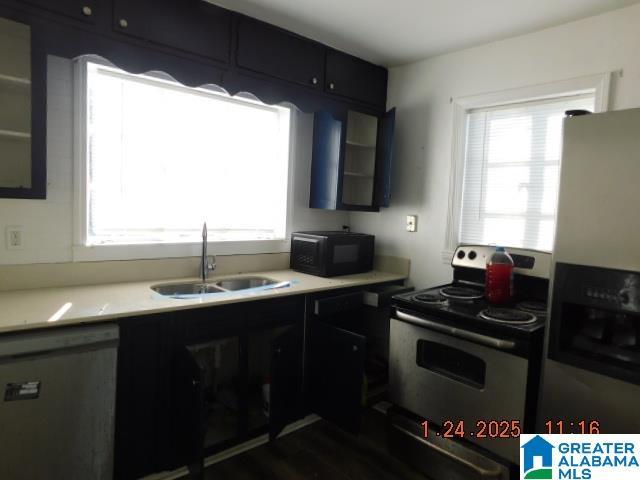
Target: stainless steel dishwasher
[(58, 403)]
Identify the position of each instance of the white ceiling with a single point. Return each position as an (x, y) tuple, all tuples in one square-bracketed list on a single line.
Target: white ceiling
[(393, 32)]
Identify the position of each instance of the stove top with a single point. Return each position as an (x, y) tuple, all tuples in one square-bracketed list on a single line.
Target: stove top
[(463, 305)]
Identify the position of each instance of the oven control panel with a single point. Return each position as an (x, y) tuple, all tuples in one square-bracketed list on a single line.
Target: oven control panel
[(526, 262)]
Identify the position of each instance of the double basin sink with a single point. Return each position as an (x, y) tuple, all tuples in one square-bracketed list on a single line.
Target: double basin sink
[(235, 284)]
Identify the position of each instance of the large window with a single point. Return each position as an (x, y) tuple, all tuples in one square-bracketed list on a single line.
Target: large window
[(162, 158), (506, 181)]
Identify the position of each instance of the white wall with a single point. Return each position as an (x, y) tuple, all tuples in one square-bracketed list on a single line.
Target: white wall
[(48, 224), (422, 91)]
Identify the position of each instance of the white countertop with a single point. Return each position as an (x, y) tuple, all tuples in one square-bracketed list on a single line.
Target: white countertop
[(51, 307)]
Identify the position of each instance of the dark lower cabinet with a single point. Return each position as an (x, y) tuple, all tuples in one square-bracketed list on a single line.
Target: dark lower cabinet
[(335, 374), (195, 382), (143, 430)]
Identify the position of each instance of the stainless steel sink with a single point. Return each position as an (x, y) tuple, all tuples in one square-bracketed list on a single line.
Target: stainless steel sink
[(179, 289), (225, 285), (243, 283)]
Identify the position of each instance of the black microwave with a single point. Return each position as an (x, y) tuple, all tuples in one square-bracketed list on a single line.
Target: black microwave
[(329, 254)]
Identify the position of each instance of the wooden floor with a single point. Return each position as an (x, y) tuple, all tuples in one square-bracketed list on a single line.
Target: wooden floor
[(320, 452)]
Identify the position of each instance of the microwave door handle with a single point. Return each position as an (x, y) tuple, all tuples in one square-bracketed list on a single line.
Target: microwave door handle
[(456, 332)]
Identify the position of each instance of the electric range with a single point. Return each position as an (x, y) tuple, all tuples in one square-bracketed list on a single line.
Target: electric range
[(453, 357)]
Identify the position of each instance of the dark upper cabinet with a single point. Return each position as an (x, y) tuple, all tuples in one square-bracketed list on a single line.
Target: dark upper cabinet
[(352, 160), (281, 54), (193, 26), (325, 166), (384, 158), (85, 10), (351, 77)]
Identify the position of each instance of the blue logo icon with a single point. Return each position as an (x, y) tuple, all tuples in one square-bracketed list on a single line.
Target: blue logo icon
[(538, 447)]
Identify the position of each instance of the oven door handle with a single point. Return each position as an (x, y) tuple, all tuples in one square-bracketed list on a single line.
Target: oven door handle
[(456, 332), (481, 472)]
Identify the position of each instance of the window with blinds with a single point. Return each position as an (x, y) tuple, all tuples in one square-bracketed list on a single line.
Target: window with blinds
[(511, 172), (163, 158)]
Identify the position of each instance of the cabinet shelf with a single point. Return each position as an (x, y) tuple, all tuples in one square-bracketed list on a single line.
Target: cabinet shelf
[(15, 134), (360, 145), (358, 175), (25, 82)]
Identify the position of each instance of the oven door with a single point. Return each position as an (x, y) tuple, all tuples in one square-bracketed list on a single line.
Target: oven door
[(441, 377)]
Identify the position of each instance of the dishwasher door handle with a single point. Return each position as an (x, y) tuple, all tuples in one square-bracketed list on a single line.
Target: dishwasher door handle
[(457, 332)]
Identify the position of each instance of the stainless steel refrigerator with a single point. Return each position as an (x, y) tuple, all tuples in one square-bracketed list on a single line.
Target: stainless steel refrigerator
[(592, 348)]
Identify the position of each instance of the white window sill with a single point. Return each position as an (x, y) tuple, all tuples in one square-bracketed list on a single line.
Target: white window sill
[(96, 253)]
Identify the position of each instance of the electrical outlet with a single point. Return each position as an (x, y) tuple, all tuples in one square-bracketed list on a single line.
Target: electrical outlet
[(412, 223), (14, 238)]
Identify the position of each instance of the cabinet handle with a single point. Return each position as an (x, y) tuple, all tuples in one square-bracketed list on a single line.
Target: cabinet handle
[(278, 351), (123, 23), (314, 81), (86, 11), (332, 86), (355, 348)]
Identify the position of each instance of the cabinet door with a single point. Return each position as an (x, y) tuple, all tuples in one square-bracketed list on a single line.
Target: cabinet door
[(384, 158), (354, 78), (85, 10), (188, 409), (327, 150), (192, 26), (267, 49), (286, 380), (142, 428), (335, 373)]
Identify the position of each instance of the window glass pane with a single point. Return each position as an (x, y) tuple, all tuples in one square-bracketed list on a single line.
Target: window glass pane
[(163, 158), (511, 172)]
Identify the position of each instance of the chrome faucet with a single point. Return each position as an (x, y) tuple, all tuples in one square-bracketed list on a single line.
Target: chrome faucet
[(207, 263)]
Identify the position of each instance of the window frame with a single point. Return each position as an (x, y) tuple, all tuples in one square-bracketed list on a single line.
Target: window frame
[(597, 84), (81, 251)]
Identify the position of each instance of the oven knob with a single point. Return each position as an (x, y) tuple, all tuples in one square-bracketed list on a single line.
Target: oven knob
[(472, 255), (461, 254)]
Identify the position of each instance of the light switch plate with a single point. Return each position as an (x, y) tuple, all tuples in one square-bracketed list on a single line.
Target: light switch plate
[(14, 238), (412, 223)]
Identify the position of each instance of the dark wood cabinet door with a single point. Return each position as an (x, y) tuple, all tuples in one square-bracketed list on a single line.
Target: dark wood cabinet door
[(188, 414), (328, 145), (142, 429), (384, 158), (193, 26), (85, 10), (281, 54), (286, 380), (335, 374), (351, 77)]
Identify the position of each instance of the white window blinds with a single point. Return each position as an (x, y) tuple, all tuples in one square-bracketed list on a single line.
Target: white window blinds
[(163, 158), (511, 172)]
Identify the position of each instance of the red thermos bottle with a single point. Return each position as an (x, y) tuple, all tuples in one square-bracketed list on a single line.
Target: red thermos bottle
[(499, 277)]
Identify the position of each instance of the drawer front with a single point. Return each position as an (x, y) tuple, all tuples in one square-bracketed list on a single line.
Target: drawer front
[(337, 304), (85, 10)]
